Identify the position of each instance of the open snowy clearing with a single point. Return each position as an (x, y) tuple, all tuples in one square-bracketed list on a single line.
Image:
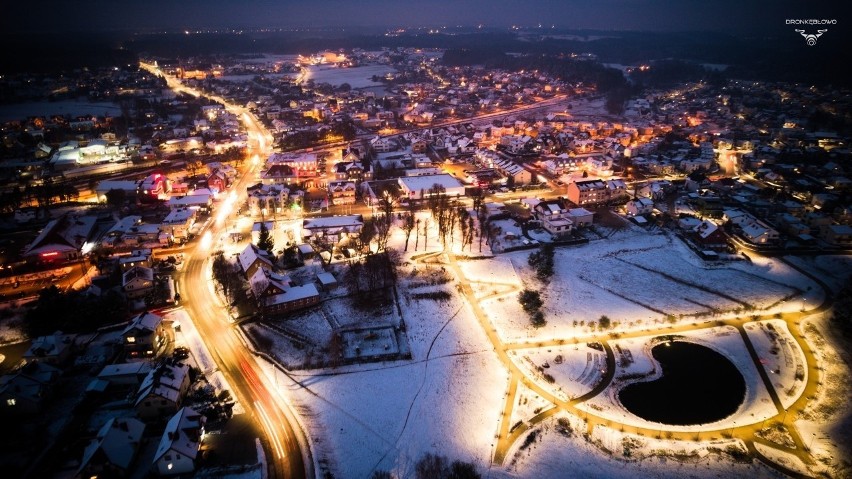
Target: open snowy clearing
[(638, 280), (553, 455), (356, 77)]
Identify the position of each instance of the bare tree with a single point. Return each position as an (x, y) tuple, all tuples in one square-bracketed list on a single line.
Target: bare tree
[(408, 224)]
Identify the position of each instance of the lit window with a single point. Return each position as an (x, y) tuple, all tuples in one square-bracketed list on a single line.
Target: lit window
[(11, 402), (131, 339), (169, 466)]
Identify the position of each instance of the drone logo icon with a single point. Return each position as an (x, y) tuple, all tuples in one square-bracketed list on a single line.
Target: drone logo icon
[(811, 38)]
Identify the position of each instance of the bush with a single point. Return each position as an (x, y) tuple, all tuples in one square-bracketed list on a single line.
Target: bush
[(530, 300), (537, 319), (604, 322)]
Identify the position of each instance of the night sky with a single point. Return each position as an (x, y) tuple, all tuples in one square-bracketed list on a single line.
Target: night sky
[(661, 15)]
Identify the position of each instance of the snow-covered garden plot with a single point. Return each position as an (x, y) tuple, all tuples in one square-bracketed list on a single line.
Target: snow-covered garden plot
[(287, 350), (356, 77), (508, 235), (369, 343), (566, 371), (527, 405), (541, 235), (11, 322), (633, 358), (341, 312), (448, 400), (781, 356), (757, 404), (311, 324), (556, 455)]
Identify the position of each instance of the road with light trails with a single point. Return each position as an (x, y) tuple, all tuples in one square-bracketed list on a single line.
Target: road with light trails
[(286, 446)]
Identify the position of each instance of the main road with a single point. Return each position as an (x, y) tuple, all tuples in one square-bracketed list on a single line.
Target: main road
[(286, 445)]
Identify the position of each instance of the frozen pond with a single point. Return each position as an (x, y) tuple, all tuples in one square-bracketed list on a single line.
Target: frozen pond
[(698, 385), (356, 77)]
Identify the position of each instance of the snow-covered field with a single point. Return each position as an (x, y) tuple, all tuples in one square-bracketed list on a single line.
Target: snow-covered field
[(73, 108), (356, 77), (553, 455), (835, 270), (639, 279), (447, 400)]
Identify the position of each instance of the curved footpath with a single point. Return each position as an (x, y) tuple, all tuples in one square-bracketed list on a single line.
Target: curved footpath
[(746, 432)]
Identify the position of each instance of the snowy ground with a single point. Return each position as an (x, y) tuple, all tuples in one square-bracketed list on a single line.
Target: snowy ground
[(11, 330), (553, 455), (447, 400), (73, 108), (835, 270), (781, 356), (356, 77), (757, 404), (638, 280), (575, 369)]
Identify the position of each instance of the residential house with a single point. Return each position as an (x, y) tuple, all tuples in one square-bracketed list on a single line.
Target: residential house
[(200, 200), (758, 232), (588, 192), (293, 298), (265, 283), (279, 174), (162, 391), (709, 236), (24, 392), (383, 144), (140, 257), (554, 217), (267, 199), (63, 239), (125, 374), (217, 181), (639, 206), (253, 258), (342, 192), (137, 282), (838, 235), (54, 349), (352, 171), (332, 228), (177, 452), (112, 452), (178, 223), (581, 217), (147, 336)]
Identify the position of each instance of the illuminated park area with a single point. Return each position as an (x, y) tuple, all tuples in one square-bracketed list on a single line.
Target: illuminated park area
[(694, 358)]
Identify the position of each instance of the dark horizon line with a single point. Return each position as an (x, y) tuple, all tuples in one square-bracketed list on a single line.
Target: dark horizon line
[(243, 30)]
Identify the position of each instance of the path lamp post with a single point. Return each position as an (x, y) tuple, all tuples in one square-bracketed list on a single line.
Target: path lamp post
[(811, 443)]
